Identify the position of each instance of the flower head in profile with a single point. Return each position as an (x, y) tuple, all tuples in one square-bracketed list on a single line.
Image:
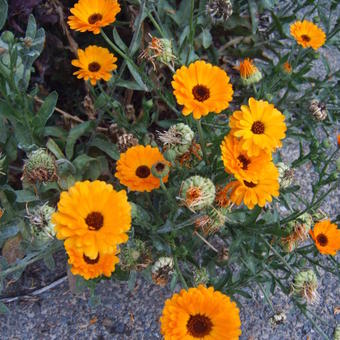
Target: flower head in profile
[(134, 168), (237, 162), (256, 192), (93, 218), (202, 88), (200, 313), (90, 268), (305, 286), (260, 126), (249, 73), (89, 15), (95, 63), (308, 34), (326, 236)]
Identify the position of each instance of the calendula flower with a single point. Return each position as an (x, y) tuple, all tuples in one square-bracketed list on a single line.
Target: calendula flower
[(202, 88), (95, 63), (90, 268), (197, 192), (134, 168), (249, 73), (237, 162), (287, 67), (326, 236), (89, 15), (260, 126), (305, 286), (308, 34), (256, 192), (200, 313), (93, 218)]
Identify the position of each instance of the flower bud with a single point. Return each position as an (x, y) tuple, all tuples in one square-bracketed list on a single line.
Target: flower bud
[(318, 110), (201, 276), (7, 37), (39, 167), (160, 170), (162, 270), (286, 175), (249, 73), (178, 138), (326, 143), (305, 286), (197, 192), (219, 10), (170, 155), (42, 228)]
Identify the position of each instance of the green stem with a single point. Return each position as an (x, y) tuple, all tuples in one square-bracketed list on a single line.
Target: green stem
[(155, 23), (202, 141), (165, 190), (184, 283), (192, 30), (154, 210)]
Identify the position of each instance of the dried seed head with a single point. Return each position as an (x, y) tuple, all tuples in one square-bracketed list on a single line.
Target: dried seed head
[(42, 227), (286, 175), (193, 155), (278, 318), (201, 276), (89, 107), (212, 222), (125, 141), (39, 167), (178, 138), (318, 110), (162, 270), (115, 132), (135, 256), (197, 193), (305, 286), (219, 10)]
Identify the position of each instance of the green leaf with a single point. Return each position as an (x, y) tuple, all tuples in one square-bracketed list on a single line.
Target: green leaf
[(128, 84), (54, 148), (74, 134), (253, 14), (136, 76), (24, 196), (46, 110), (132, 279), (31, 29), (206, 38), (49, 261), (3, 308), (3, 12), (109, 148), (117, 39)]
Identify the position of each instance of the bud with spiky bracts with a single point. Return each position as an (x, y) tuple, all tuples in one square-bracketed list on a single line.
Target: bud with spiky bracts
[(305, 286), (201, 276), (318, 110), (39, 167), (197, 193), (297, 232), (135, 255), (125, 141), (219, 10), (177, 139), (42, 228), (212, 221), (286, 175), (162, 270)]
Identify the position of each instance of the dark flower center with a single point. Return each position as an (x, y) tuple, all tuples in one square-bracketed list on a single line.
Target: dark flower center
[(94, 220), (143, 171), (245, 162), (199, 326), (94, 67), (201, 93), (91, 261), (257, 127), (322, 240), (250, 184), (159, 166), (94, 18), (305, 38)]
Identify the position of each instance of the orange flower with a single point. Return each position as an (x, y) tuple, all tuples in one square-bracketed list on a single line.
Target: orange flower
[(326, 236), (339, 140), (249, 73), (287, 67)]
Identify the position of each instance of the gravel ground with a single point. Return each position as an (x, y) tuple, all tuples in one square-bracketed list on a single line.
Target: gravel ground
[(134, 315)]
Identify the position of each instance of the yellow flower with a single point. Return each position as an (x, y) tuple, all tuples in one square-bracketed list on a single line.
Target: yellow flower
[(134, 168), (260, 126), (202, 88), (90, 15), (237, 162), (256, 192), (307, 34), (326, 236), (200, 313), (249, 73), (95, 63), (287, 67), (102, 264), (93, 218)]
